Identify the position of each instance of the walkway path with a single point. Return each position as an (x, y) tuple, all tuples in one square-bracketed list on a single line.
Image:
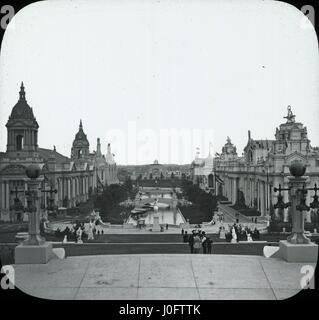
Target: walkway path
[(232, 214), (167, 277)]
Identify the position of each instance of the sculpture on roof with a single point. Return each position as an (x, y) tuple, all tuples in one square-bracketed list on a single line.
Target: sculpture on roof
[(290, 116)]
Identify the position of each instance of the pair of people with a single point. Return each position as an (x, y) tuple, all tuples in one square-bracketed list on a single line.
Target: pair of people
[(198, 240)]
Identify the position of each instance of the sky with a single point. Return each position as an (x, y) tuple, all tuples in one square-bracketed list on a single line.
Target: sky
[(159, 79)]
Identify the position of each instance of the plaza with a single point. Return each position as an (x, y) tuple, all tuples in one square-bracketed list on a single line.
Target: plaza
[(162, 277)]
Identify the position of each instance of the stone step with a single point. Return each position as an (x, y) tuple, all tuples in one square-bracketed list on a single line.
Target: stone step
[(271, 251), (58, 253)]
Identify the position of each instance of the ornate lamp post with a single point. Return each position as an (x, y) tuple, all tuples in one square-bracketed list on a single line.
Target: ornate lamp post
[(51, 191), (297, 247), (280, 202), (33, 207), (298, 202), (34, 250), (17, 206)]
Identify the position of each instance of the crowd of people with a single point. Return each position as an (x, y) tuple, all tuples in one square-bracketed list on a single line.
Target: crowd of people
[(198, 241), (72, 234), (242, 232)]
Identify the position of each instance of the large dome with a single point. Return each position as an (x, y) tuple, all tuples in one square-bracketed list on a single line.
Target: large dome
[(22, 110), (80, 137)]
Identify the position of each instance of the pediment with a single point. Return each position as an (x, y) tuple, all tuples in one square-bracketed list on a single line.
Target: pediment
[(296, 156)]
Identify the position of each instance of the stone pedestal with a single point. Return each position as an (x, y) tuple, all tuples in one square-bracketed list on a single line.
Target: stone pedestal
[(33, 254), (290, 252), (156, 225)]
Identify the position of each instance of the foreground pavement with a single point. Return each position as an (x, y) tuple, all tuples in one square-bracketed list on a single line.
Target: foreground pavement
[(162, 277)]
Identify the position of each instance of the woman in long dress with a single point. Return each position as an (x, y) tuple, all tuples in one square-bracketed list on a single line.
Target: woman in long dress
[(197, 243)]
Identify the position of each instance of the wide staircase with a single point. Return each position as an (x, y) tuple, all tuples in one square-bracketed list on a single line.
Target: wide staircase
[(231, 214)]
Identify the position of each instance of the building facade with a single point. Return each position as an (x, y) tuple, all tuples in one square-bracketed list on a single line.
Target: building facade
[(73, 178), (250, 179), (202, 171)]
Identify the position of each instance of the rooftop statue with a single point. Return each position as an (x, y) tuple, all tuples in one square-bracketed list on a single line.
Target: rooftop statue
[(290, 116)]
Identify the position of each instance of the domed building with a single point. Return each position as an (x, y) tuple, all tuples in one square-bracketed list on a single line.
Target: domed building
[(74, 178), (80, 146), (264, 165)]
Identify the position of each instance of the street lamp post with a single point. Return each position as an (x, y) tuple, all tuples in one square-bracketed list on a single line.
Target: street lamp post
[(297, 247), (34, 250), (17, 206), (51, 191), (33, 207)]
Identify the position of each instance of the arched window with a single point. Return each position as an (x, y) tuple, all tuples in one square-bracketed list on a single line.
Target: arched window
[(19, 142), (79, 153)]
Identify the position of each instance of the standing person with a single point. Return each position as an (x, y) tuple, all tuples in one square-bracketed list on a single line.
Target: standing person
[(166, 226), (182, 231), (209, 243), (185, 237), (191, 242), (197, 243), (204, 244)]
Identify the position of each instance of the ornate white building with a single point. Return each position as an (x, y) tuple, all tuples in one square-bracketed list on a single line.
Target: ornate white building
[(265, 165), (202, 171), (74, 178)]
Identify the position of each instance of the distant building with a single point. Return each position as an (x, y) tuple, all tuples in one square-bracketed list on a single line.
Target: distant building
[(153, 171), (74, 178), (202, 171), (265, 164)]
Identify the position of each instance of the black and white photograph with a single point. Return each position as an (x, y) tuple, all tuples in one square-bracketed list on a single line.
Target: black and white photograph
[(159, 150)]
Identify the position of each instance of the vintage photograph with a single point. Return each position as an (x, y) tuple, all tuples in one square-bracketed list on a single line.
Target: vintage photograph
[(159, 150)]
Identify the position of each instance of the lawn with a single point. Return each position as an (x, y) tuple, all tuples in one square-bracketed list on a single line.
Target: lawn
[(195, 215)]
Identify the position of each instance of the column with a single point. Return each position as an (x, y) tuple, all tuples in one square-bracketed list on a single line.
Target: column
[(87, 186), (3, 186), (263, 198), (59, 192), (7, 196), (69, 189), (257, 195)]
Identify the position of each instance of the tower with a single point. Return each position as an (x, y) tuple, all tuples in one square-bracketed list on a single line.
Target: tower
[(109, 155), (22, 129), (80, 147), (291, 136)]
